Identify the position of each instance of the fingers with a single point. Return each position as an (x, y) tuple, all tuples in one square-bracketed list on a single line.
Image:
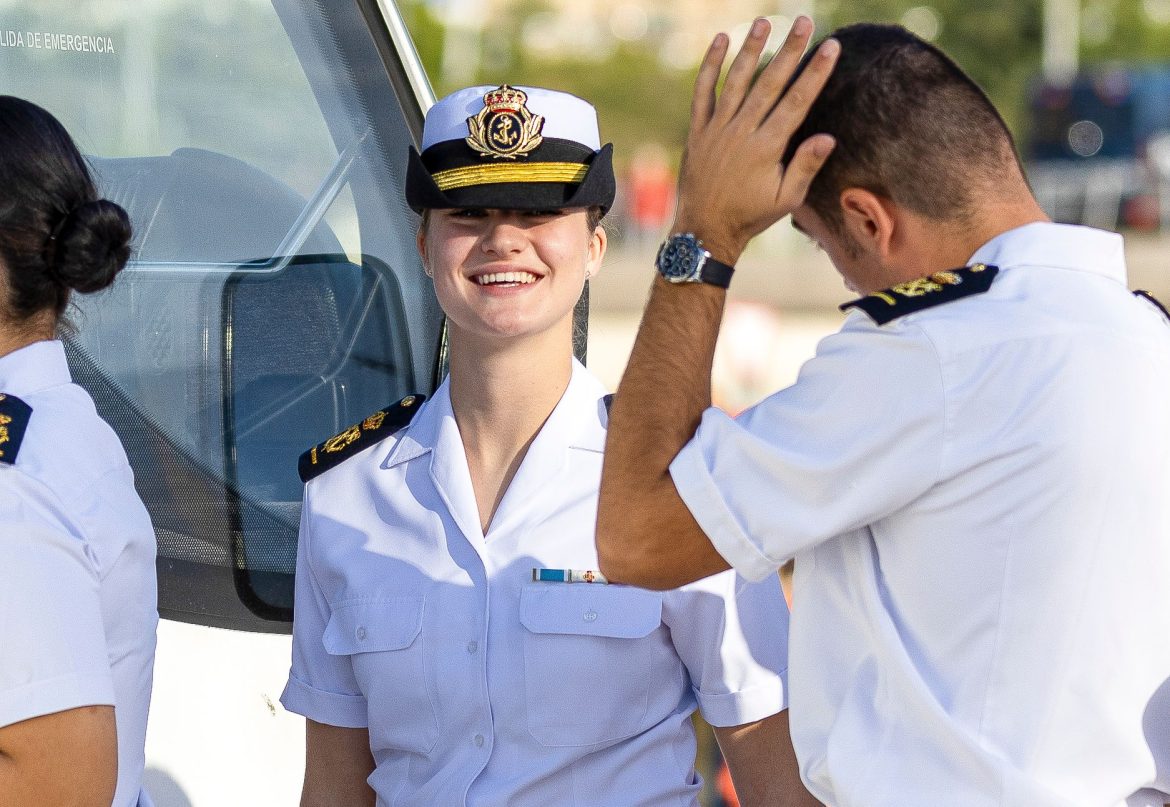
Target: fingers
[(703, 104), (809, 158), (743, 67), (794, 106), (775, 76)]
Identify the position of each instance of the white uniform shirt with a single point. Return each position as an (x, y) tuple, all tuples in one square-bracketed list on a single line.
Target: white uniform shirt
[(481, 687), (978, 499), (78, 601)]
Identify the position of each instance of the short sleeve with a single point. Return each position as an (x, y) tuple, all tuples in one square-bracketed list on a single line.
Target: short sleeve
[(53, 653), (859, 435), (320, 686), (732, 636)]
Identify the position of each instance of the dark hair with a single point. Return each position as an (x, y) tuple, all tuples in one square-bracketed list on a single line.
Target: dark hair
[(56, 234), (910, 126)]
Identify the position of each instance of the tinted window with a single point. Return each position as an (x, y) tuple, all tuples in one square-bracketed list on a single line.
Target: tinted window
[(275, 296)]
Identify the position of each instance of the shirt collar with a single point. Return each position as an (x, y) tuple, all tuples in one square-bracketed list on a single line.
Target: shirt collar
[(33, 368), (1061, 246), (566, 424)]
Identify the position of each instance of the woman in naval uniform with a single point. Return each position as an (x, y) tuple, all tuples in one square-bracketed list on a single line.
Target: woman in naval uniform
[(77, 580), (451, 645)]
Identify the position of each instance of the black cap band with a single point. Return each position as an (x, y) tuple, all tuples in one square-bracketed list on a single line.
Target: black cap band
[(557, 173)]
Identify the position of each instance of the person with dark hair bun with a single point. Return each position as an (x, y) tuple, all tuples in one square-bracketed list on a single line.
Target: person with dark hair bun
[(78, 600)]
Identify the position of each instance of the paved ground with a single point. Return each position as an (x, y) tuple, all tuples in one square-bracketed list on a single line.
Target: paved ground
[(784, 299)]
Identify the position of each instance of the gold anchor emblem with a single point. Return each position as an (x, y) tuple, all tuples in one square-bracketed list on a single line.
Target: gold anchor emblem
[(504, 127)]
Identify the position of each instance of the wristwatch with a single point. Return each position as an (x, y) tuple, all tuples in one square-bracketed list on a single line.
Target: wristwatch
[(682, 259)]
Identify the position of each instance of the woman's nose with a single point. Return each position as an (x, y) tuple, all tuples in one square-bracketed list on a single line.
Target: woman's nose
[(503, 236)]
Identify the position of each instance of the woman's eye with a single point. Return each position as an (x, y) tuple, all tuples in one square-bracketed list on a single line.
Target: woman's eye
[(547, 213), (468, 213)]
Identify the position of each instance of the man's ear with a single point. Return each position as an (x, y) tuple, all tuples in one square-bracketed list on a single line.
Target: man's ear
[(869, 221)]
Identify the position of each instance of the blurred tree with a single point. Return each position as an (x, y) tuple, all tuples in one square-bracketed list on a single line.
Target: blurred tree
[(639, 98), (427, 33), (996, 42)]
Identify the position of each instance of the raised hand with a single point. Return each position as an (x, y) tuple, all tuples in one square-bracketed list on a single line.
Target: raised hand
[(732, 185)]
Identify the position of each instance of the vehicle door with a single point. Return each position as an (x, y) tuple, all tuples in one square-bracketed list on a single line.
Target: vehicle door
[(274, 297)]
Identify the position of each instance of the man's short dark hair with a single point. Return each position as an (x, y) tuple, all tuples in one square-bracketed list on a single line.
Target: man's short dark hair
[(910, 125)]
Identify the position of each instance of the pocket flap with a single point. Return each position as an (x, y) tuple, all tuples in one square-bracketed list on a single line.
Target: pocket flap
[(618, 612), (392, 623)]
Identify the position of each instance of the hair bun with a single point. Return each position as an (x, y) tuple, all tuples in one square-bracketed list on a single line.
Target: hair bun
[(92, 246)]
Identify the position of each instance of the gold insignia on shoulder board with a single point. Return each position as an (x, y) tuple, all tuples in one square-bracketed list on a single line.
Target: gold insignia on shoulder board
[(504, 128), (346, 438), (374, 421), (926, 285)]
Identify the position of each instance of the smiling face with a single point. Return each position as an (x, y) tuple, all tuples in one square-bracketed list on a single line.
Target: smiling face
[(506, 274)]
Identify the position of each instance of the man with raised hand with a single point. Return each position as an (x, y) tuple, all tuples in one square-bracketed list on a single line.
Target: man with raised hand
[(971, 475)]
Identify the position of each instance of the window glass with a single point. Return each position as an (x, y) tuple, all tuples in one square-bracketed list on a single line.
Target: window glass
[(275, 295)]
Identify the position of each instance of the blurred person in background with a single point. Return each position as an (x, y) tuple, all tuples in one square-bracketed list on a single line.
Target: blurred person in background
[(78, 603)]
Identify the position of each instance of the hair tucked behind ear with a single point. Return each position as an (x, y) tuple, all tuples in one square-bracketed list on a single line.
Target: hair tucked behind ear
[(56, 235)]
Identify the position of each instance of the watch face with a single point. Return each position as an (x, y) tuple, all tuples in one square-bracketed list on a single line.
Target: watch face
[(680, 258)]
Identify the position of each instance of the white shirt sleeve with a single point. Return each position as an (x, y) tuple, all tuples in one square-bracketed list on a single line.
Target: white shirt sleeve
[(53, 652), (732, 636), (857, 436), (321, 686)]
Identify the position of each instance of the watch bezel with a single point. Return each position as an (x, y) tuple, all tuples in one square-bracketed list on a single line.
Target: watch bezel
[(682, 249)]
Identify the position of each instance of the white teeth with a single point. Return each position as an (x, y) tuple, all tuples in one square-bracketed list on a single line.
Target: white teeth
[(506, 277)]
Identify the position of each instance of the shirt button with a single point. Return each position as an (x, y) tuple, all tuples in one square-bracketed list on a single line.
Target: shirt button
[(472, 646), (479, 741), (590, 616), (361, 634)]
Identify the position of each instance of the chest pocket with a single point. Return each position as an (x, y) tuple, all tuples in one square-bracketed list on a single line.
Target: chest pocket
[(588, 651), (385, 643)]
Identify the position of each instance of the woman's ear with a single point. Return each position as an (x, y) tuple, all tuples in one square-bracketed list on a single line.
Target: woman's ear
[(420, 240), (595, 252), (869, 221)]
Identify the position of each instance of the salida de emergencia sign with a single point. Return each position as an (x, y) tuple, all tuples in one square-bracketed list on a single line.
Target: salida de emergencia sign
[(45, 40)]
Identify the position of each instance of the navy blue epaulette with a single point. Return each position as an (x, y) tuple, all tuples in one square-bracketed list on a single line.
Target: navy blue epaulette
[(925, 292), (340, 447), (14, 417), (1154, 301)]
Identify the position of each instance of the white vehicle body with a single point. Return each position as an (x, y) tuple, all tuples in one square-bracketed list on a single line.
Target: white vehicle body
[(274, 298)]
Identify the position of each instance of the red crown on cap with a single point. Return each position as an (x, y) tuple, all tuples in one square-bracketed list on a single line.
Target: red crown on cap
[(505, 99)]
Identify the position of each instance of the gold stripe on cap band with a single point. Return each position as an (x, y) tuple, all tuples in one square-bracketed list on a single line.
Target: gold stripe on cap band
[(509, 172)]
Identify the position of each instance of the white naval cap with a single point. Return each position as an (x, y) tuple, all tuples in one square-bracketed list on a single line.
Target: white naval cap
[(566, 116), (510, 147)]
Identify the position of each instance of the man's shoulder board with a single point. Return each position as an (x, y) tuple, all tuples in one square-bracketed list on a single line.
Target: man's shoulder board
[(340, 447), (925, 292), (14, 417)]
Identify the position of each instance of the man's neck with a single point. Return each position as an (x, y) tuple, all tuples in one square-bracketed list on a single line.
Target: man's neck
[(933, 246)]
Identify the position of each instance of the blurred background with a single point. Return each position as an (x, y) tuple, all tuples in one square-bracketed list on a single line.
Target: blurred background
[(1083, 84)]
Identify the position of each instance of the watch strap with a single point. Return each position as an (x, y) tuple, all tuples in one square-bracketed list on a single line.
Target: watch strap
[(716, 273)]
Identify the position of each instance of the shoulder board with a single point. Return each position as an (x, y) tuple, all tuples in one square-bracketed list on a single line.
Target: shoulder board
[(340, 447), (1145, 295), (14, 417), (925, 292)]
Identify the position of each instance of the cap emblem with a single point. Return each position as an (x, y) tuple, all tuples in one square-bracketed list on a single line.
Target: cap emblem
[(504, 128)]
